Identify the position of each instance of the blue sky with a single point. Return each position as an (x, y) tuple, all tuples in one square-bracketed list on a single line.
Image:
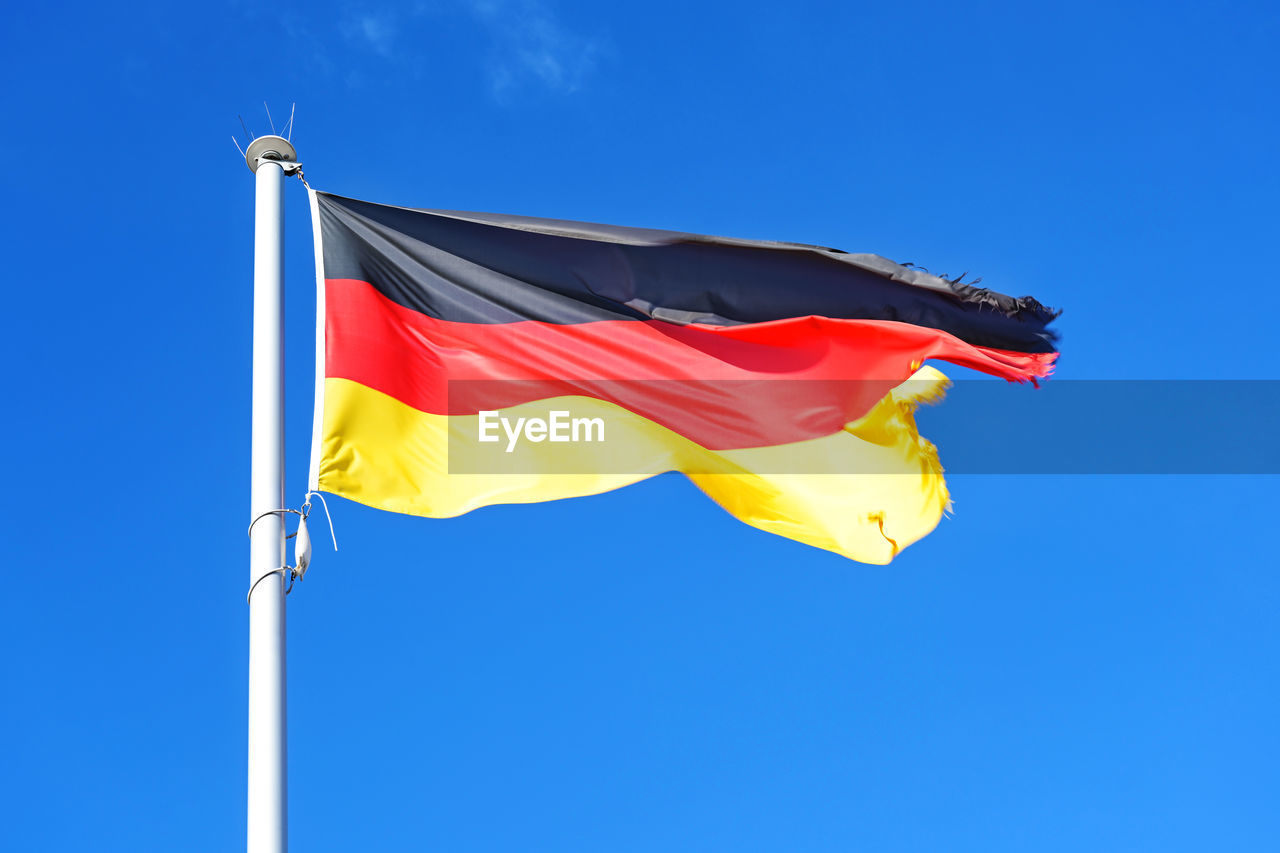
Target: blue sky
[(1067, 663)]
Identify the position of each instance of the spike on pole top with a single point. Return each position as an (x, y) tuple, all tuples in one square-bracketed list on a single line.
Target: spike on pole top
[(273, 148)]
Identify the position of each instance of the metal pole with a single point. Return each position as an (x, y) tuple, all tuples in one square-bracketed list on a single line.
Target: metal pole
[(268, 792)]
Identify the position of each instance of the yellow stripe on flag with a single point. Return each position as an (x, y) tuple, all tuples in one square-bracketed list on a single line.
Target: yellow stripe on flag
[(865, 492)]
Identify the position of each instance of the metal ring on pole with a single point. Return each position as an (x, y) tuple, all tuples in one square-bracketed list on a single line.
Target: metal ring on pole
[(248, 596), (276, 512)]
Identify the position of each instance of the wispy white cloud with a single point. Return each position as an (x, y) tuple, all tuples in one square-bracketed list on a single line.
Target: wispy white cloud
[(376, 30), (531, 46), (524, 45)]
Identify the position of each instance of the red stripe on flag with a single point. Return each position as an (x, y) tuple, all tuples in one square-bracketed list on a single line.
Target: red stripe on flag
[(722, 386)]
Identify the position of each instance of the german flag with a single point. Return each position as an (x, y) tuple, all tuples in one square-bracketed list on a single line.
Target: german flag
[(467, 359)]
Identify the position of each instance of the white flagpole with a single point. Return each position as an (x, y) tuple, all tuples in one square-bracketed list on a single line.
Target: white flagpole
[(268, 791)]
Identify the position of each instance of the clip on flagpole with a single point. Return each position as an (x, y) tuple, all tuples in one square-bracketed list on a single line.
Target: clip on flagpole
[(301, 545), (292, 570)]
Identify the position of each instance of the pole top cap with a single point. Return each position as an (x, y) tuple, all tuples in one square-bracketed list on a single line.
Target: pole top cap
[(270, 148)]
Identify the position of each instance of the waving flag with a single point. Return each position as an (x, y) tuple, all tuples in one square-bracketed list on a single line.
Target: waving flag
[(467, 359)]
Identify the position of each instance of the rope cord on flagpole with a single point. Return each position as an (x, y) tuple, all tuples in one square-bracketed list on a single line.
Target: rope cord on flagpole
[(306, 510)]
